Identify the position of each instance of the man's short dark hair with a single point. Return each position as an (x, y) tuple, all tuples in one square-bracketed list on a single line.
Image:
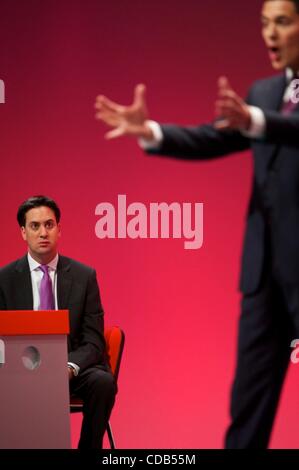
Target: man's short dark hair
[(296, 4), (36, 201), (293, 1)]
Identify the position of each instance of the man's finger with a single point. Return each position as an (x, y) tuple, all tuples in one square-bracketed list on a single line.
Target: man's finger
[(112, 119), (227, 103), (229, 95), (139, 95), (118, 132), (222, 124), (226, 111), (223, 84), (104, 102)]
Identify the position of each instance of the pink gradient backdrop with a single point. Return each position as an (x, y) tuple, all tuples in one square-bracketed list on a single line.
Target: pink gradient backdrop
[(178, 308)]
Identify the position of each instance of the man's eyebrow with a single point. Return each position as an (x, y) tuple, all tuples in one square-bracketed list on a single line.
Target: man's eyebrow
[(279, 17), (36, 222)]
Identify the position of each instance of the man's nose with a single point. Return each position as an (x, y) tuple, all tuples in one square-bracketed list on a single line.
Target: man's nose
[(271, 31), (43, 231)]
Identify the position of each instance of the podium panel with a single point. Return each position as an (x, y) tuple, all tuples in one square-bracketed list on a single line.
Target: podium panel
[(34, 388)]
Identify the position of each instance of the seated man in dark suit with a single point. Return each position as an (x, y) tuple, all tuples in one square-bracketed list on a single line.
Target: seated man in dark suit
[(45, 280), (268, 123)]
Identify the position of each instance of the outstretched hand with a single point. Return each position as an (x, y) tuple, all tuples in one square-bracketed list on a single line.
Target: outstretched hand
[(231, 111), (125, 120)]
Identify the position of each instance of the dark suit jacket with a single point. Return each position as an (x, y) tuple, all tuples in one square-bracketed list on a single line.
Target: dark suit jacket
[(275, 185), (77, 291)]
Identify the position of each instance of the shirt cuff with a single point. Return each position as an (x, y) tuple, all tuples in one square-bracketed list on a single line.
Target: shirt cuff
[(154, 143), (74, 367), (258, 123)]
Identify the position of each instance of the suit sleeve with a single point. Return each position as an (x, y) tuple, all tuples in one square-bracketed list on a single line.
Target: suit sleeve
[(281, 129), (2, 301), (91, 345), (199, 142), (2, 297)]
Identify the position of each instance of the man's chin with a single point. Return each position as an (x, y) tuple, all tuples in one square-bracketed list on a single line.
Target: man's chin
[(44, 252), (278, 66)]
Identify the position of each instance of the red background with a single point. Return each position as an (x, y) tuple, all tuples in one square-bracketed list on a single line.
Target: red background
[(179, 308)]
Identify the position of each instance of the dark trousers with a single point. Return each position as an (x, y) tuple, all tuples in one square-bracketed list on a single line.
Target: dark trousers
[(269, 322), (97, 388)]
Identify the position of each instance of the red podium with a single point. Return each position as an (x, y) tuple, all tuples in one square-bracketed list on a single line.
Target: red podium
[(34, 392)]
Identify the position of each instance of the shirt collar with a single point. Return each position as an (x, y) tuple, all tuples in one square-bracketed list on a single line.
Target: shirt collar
[(290, 74), (33, 264)]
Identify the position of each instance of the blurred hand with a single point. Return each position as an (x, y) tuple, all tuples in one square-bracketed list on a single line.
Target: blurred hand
[(125, 120), (230, 109)]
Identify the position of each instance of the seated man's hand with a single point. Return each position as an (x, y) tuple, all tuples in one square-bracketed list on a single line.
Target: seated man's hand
[(231, 111), (71, 372), (125, 120)]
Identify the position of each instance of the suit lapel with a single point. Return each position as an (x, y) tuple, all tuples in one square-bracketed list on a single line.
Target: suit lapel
[(272, 101), (64, 286), (23, 285), (273, 98), (64, 282)]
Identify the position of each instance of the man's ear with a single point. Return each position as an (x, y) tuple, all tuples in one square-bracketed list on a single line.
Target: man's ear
[(23, 233), (59, 229)]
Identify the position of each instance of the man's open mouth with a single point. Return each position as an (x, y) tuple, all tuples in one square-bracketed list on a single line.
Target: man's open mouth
[(274, 52)]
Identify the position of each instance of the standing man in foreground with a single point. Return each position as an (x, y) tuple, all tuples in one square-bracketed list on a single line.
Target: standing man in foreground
[(268, 123), (45, 280)]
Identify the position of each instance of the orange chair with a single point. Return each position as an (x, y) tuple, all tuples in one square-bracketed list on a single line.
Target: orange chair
[(115, 340)]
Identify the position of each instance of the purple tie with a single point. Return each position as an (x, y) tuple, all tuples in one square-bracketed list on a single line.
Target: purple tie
[(45, 290)]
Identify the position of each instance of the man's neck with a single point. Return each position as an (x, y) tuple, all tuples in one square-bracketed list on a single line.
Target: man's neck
[(46, 259)]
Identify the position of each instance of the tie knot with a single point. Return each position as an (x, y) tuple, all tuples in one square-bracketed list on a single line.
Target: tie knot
[(44, 268)]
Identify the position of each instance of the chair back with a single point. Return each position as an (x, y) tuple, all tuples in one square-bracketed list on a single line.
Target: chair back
[(115, 339)]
